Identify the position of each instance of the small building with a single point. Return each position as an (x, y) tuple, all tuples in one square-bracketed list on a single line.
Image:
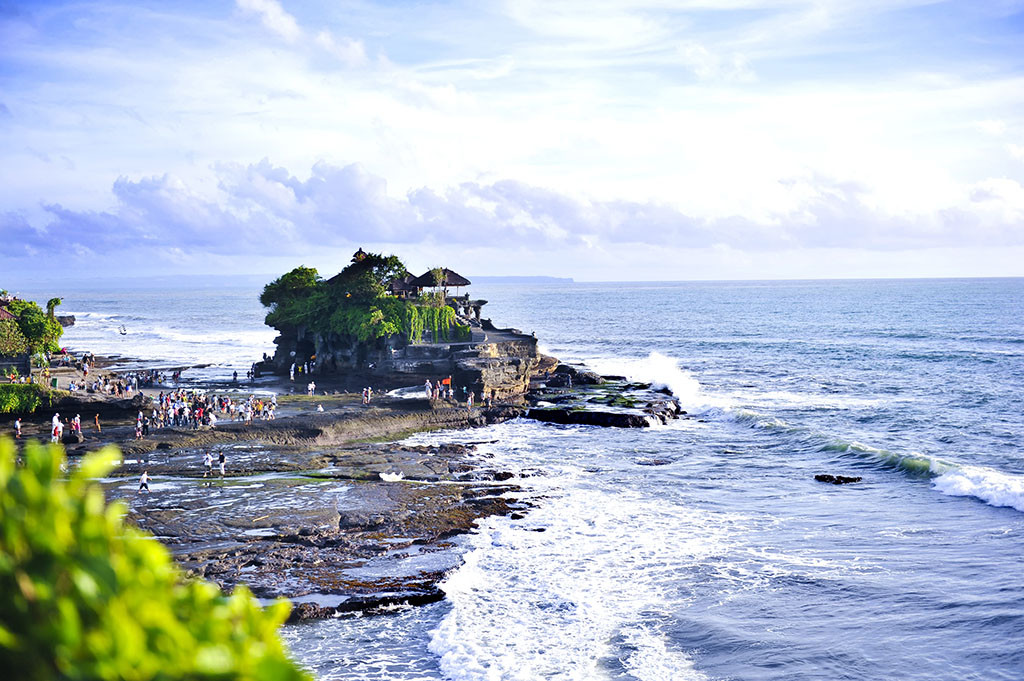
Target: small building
[(448, 278), (403, 287)]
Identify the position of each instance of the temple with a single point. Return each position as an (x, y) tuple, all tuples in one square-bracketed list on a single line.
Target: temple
[(413, 328)]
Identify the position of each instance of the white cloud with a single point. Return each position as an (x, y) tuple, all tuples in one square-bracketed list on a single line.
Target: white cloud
[(273, 17), (349, 51), (991, 127)]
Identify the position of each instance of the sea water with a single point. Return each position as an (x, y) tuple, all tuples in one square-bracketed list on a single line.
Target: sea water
[(705, 549)]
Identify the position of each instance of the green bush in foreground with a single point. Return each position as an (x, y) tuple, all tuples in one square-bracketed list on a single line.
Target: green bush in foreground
[(86, 597)]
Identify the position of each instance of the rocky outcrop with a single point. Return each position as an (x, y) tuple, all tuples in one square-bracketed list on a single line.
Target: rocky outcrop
[(589, 418), (568, 375), (497, 363), (836, 479)]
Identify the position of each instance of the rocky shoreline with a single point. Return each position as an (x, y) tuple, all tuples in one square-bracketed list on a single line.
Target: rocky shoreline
[(329, 508)]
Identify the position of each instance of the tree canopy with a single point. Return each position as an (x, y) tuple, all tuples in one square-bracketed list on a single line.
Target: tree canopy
[(354, 303), (40, 330)]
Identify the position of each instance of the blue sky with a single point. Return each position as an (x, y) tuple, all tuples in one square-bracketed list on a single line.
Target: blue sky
[(600, 140)]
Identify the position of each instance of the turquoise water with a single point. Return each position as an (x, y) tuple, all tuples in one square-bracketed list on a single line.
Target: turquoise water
[(705, 549)]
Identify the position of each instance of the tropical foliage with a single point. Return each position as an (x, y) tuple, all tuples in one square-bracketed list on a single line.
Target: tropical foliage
[(22, 398), (12, 340), (355, 303), (40, 329), (86, 597)]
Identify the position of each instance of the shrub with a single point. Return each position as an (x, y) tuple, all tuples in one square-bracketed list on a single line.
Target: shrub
[(22, 398), (12, 340), (86, 597)]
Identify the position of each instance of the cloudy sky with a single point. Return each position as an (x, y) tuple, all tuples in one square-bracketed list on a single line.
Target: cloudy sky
[(603, 140)]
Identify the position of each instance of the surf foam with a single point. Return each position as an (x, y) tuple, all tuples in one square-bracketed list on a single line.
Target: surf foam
[(993, 487)]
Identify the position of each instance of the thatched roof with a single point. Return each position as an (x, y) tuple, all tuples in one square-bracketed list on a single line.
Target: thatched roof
[(5, 315), (450, 279), (402, 284)]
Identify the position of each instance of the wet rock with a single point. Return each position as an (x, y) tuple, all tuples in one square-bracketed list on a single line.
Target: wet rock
[(72, 438), (589, 418), (836, 479), (579, 375), (310, 611)]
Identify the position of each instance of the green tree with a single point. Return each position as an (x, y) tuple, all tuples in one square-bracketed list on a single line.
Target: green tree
[(12, 340), (51, 305), (87, 597), (288, 297), (40, 330)]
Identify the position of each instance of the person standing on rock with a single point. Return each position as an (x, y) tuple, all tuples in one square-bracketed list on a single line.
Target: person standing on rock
[(207, 464), (98, 429), (220, 458), (469, 402), (144, 482), (17, 428)]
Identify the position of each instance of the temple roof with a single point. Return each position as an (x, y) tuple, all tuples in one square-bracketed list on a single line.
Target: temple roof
[(450, 279)]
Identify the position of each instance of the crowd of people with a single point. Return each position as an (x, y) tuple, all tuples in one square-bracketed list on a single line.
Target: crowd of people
[(192, 408), (444, 389)]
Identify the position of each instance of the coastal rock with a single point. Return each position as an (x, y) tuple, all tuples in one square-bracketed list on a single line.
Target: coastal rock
[(72, 438), (589, 418), (579, 375), (836, 479)]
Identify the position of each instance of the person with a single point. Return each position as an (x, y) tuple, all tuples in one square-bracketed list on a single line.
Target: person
[(291, 372), (17, 428), (98, 429), (319, 407), (311, 388), (429, 388), (208, 464), (144, 482), (234, 376), (469, 402), (220, 458)]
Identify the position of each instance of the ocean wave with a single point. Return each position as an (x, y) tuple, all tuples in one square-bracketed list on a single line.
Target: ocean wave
[(993, 487), (515, 578), (661, 371)]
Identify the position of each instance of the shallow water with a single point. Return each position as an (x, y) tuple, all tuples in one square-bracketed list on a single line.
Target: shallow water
[(705, 549)]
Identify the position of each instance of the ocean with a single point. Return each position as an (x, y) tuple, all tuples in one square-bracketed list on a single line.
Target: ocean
[(705, 549)]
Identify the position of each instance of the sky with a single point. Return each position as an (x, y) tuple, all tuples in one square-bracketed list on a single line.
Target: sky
[(602, 140)]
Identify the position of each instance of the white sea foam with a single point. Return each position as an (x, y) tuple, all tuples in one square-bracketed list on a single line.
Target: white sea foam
[(661, 371), (592, 563), (993, 487)]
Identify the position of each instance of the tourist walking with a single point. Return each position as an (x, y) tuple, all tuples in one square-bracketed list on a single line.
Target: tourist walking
[(17, 428), (220, 458), (208, 464), (144, 482)]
